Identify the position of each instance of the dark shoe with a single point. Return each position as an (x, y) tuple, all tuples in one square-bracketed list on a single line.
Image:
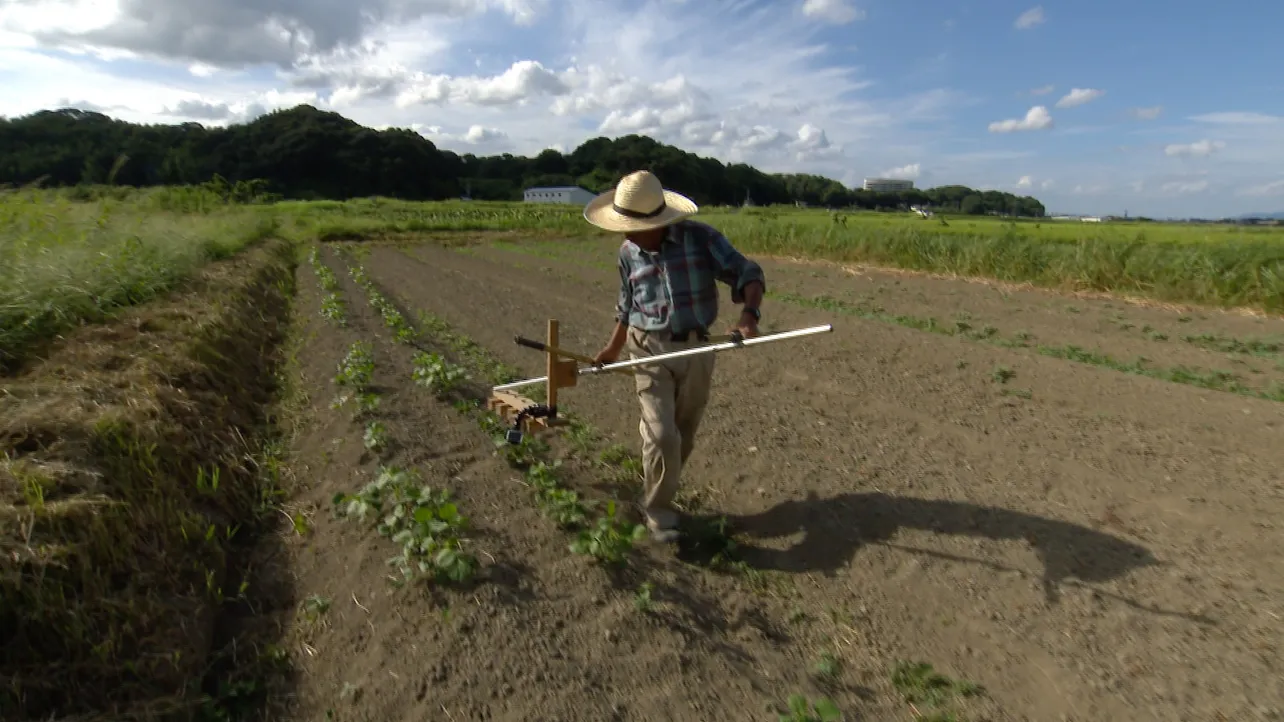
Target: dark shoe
[(663, 525)]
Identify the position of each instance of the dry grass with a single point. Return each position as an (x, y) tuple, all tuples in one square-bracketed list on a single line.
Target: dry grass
[(125, 479)]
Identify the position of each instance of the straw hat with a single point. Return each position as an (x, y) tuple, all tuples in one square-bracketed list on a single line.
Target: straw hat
[(638, 203)]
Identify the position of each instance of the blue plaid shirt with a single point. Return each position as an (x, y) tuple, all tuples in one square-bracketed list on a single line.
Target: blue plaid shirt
[(674, 288)]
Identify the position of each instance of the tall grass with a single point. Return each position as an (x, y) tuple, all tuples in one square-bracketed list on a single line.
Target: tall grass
[(64, 262), (1230, 267), (1218, 265)]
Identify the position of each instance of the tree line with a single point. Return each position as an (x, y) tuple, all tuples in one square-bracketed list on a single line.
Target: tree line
[(306, 153)]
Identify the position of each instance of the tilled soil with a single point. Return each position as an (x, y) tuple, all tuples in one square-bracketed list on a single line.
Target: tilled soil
[(1083, 543), (542, 634)]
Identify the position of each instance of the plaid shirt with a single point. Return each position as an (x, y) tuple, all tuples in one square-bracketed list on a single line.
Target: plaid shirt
[(674, 288)]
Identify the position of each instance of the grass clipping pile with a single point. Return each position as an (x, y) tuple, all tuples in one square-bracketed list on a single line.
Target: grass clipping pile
[(126, 472)]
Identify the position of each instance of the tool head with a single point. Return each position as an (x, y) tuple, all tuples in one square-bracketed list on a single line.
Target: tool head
[(513, 436)]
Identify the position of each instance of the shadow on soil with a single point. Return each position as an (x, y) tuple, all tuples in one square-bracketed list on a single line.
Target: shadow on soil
[(835, 528)]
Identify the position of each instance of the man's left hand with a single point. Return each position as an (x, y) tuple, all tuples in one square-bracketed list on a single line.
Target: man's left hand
[(748, 325)]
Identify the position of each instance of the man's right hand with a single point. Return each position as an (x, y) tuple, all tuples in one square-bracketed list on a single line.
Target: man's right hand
[(606, 356)]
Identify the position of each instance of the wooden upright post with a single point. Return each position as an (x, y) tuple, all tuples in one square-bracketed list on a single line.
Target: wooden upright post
[(552, 364)]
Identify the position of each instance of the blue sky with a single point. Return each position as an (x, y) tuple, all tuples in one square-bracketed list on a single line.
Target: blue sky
[(1158, 108)]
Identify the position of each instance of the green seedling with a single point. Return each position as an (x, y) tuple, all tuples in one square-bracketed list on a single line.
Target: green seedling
[(800, 710), (561, 505), (356, 371), (376, 436), (367, 403), (610, 540), (918, 683), (1002, 375), (315, 606), (332, 308), (828, 667), (434, 372), (423, 521), (642, 600)]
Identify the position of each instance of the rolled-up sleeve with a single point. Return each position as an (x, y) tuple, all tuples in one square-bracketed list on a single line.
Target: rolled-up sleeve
[(732, 267), (624, 304)]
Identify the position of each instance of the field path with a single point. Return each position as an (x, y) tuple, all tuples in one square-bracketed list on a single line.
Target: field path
[(1097, 545)]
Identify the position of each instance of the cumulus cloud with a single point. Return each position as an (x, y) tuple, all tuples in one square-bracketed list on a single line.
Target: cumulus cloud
[(1199, 148), (523, 80), (1146, 113), (1079, 96), (242, 33), (1030, 18), (838, 12), (1037, 118), (905, 172), (475, 135), (1025, 182)]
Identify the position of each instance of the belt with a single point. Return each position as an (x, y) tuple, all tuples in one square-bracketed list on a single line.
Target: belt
[(682, 336)]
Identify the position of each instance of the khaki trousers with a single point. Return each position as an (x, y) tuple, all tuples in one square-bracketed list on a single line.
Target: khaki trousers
[(673, 395)]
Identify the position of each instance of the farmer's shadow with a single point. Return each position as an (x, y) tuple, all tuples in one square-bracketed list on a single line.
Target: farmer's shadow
[(835, 528)]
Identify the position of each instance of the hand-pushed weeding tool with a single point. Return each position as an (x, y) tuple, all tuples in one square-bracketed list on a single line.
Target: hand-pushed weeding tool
[(525, 413)]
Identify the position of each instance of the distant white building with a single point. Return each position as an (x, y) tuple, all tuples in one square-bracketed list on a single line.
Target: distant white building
[(888, 185), (560, 194)]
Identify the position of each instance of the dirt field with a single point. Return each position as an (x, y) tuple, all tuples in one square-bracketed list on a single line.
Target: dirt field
[(1081, 542)]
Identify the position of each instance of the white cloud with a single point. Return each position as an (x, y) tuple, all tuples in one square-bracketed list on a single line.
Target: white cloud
[(1146, 113), (1238, 118), (838, 12), (1025, 182), (524, 80), (1030, 18), (1199, 148), (905, 172), (475, 135), (1090, 189), (1047, 183), (1273, 188), (1184, 187), (1037, 118), (1044, 90), (1079, 96), (238, 34)]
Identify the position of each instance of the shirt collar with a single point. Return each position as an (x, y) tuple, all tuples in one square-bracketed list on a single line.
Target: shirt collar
[(672, 234)]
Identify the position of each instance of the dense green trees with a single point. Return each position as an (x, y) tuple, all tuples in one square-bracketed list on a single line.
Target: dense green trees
[(307, 153)]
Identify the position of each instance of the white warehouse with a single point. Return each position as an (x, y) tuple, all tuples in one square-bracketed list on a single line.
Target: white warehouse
[(888, 185), (560, 194)]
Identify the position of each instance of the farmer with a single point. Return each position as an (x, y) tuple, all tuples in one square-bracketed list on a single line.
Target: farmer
[(668, 301)]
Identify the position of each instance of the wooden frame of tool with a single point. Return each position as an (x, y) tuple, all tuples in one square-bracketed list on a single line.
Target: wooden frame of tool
[(561, 370)]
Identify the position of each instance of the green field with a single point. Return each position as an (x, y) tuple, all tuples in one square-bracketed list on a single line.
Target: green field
[(71, 258)]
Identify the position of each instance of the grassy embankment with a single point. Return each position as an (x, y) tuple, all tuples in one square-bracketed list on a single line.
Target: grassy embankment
[(140, 338)]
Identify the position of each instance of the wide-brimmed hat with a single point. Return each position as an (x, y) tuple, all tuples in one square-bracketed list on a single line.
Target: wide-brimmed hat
[(638, 203)]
